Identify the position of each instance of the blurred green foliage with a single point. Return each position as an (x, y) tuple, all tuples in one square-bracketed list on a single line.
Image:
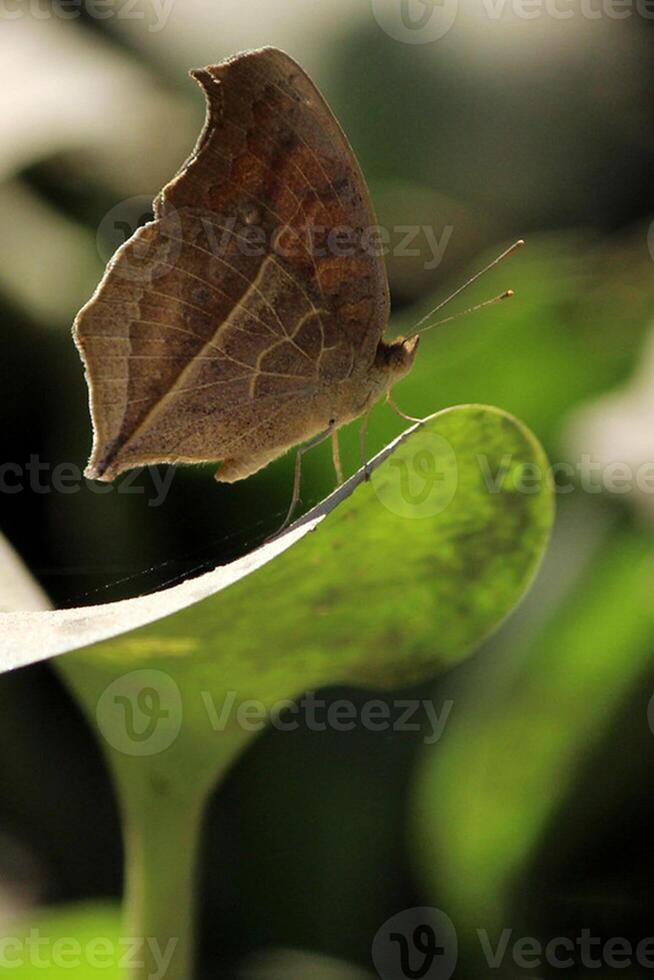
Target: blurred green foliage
[(80, 941)]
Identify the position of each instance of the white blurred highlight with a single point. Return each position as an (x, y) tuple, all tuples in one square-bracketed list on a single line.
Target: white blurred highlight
[(619, 427), (62, 90)]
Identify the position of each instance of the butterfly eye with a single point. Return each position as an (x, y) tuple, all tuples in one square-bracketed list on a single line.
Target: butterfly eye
[(332, 422)]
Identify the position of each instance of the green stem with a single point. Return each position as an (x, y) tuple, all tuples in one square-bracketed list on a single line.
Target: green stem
[(162, 797), (161, 844)]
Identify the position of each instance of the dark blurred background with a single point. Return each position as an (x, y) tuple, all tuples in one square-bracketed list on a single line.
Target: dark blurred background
[(533, 812)]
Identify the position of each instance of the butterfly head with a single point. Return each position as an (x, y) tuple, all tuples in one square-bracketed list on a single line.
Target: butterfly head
[(396, 359)]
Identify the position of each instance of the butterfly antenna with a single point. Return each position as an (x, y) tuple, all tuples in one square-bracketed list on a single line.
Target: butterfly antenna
[(507, 295)]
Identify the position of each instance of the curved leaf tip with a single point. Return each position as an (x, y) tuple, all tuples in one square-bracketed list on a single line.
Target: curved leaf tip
[(409, 571)]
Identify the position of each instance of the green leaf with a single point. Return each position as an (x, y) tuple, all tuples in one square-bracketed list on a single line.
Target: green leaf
[(404, 575), (76, 941), (523, 736)]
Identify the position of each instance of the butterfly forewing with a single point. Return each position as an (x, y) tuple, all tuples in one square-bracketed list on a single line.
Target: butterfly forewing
[(253, 289)]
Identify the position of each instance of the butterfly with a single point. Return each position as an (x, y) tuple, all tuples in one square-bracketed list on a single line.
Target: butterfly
[(248, 317)]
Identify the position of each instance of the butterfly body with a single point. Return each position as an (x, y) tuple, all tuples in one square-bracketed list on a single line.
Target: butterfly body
[(330, 409), (247, 318)]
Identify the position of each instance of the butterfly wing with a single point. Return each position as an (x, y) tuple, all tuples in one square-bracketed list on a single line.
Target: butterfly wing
[(255, 286)]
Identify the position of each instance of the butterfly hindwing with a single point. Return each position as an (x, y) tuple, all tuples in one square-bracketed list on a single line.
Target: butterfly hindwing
[(254, 288)]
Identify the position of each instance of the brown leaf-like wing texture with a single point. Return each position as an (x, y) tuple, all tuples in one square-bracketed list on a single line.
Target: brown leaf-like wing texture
[(217, 326)]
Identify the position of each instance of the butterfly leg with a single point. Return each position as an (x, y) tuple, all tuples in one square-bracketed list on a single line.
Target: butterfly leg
[(336, 456), (398, 411), (295, 499), (363, 431)]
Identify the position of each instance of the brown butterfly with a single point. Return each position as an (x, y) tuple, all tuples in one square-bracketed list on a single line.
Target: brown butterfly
[(247, 318)]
